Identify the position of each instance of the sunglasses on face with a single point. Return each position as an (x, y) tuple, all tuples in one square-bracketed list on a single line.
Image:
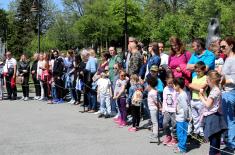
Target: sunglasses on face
[(115, 68), (222, 47)]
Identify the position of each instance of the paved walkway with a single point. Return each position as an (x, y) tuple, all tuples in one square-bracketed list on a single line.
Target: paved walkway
[(36, 128)]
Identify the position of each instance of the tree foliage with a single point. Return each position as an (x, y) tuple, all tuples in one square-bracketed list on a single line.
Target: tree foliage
[(85, 23)]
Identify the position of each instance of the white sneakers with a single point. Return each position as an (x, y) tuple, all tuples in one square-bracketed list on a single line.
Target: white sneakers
[(24, 98), (71, 102), (36, 97)]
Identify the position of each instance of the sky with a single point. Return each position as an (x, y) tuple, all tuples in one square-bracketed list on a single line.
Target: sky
[(4, 4)]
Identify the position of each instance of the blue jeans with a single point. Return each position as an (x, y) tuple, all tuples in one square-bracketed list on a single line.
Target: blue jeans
[(105, 105), (228, 106), (53, 92), (92, 100), (181, 130)]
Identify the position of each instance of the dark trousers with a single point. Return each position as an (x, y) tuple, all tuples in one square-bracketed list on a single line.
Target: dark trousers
[(10, 91), (25, 86), (59, 85), (214, 143), (37, 86), (46, 86), (79, 94), (135, 112), (122, 107), (92, 100)]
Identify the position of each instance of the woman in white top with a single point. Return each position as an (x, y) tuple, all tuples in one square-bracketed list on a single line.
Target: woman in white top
[(39, 75), (227, 46)]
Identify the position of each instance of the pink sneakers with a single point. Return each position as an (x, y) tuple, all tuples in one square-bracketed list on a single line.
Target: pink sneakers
[(122, 124), (172, 142), (118, 120), (132, 129), (167, 139)]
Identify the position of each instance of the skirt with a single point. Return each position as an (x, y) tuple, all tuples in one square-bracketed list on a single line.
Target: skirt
[(213, 123)]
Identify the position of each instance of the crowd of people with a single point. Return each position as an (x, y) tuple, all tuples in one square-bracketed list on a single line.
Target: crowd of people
[(181, 94)]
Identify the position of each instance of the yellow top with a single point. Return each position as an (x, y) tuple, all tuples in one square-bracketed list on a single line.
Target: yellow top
[(199, 81)]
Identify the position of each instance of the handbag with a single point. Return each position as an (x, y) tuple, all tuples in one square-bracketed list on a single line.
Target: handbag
[(13, 83)]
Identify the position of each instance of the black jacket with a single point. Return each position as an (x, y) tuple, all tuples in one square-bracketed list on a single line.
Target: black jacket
[(24, 65), (58, 68), (34, 68)]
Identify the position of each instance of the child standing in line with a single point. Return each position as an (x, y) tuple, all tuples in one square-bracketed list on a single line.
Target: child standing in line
[(213, 121), (183, 115), (104, 95), (198, 82), (169, 112), (154, 106), (135, 98), (120, 96)]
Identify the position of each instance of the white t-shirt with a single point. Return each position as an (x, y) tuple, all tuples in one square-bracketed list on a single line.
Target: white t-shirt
[(10, 63), (39, 71), (164, 59), (104, 85)]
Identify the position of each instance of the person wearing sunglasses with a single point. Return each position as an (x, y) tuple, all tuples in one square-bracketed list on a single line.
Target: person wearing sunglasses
[(227, 46)]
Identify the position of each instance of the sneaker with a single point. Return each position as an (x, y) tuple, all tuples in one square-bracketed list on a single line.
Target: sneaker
[(60, 101), (91, 111), (167, 139), (26, 99), (153, 138), (122, 124), (41, 98), (118, 121), (115, 119), (71, 102), (178, 151), (22, 98), (132, 129), (55, 100), (101, 115), (97, 113), (107, 116), (172, 142)]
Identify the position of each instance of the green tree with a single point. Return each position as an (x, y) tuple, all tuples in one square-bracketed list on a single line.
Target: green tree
[(3, 24)]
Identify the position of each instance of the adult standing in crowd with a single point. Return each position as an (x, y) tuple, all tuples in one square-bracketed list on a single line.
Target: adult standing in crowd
[(11, 66), (69, 76), (201, 54), (115, 58), (39, 75), (227, 46), (164, 57), (131, 40), (34, 76), (91, 68), (24, 72), (136, 59), (45, 77), (154, 58), (178, 60), (57, 73)]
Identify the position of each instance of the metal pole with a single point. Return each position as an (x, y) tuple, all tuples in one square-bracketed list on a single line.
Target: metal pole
[(126, 26), (39, 13)]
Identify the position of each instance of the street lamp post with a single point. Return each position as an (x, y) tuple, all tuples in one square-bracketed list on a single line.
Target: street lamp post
[(35, 9), (126, 26)]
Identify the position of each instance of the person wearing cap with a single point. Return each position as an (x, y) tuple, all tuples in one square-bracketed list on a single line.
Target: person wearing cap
[(1, 78), (154, 73)]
